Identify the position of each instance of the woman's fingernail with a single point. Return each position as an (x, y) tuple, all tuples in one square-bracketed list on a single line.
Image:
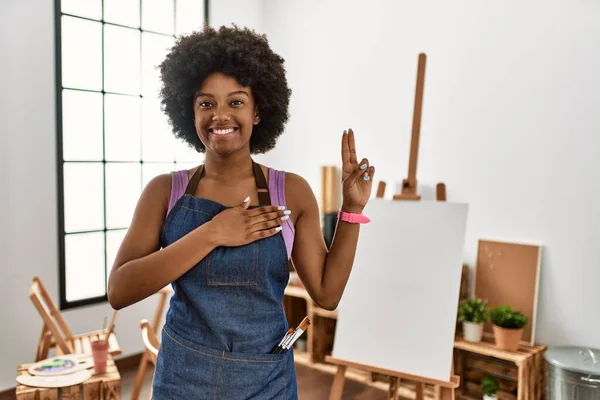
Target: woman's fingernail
[(287, 212), (281, 208), (284, 218), (247, 199), (366, 177), (363, 166), (277, 229)]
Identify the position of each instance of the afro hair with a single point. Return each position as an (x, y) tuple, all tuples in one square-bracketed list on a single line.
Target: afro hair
[(239, 53)]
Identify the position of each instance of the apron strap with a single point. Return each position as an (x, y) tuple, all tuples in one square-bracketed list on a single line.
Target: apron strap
[(259, 177), (193, 183), (261, 185)]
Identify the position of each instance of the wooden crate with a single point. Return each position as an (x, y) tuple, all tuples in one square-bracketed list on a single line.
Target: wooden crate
[(106, 386), (323, 334), (520, 374)]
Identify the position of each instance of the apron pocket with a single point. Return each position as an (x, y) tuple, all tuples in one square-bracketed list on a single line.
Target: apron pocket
[(232, 266), (185, 368)]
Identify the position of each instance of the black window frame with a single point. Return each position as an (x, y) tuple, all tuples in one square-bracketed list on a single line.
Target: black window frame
[(64, 304)]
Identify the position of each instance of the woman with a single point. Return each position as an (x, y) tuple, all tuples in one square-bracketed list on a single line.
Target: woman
[(223, 233)]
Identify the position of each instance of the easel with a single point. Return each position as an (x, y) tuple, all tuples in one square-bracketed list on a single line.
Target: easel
[(442, 390)]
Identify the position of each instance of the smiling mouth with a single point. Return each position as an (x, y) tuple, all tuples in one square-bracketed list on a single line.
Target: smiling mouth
[(222, 131)]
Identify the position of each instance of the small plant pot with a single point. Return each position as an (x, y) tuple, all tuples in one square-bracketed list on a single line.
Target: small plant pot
[(490, 397), (472, 332), (507, 339)]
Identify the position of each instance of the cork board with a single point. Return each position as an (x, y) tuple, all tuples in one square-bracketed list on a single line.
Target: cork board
[(508, 273)]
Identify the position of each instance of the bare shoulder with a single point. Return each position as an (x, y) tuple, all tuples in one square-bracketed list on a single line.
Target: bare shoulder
[(296, 184), (158, 190), (299, 194)]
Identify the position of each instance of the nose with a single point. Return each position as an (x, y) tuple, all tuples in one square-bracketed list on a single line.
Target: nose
[(220, 116)]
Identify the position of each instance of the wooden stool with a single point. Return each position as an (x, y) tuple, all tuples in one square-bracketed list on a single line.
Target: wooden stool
[(106, 386)]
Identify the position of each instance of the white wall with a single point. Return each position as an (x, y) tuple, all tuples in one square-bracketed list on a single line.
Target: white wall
[(247, 13), (28, 206), (510, 120)]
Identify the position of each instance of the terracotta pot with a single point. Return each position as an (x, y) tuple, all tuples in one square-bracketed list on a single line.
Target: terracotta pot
[(507, 339)]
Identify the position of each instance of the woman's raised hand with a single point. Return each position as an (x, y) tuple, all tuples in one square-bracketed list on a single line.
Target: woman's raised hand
[(357, 179)]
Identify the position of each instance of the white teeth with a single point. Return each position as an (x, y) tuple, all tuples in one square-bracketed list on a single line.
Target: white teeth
[(222, 131)]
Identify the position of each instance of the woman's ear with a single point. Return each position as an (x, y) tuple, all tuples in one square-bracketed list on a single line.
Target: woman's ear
[(256, 117)]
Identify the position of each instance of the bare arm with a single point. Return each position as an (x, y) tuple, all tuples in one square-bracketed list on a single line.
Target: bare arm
[(325, 273), (141, 268)]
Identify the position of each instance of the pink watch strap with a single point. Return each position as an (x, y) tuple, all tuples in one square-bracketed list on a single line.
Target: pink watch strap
[(353, 218)]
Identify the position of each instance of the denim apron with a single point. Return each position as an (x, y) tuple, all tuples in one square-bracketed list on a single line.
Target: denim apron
[(226, 314)]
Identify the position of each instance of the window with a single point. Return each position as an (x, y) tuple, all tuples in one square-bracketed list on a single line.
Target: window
[(112, 137)]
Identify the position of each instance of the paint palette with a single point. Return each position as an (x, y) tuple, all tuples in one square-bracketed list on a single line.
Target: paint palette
[(61, 365), (55, 381)]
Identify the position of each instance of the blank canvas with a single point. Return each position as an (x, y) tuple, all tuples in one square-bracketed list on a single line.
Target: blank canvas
[(399, 307)]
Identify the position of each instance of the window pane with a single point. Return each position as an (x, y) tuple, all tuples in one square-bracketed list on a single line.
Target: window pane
[(190, 16), (81, 53), (183, 152), (121, 60), (157, 137), (123, 12), (113, 242), (122, 115), (82, 125), (83, 196), (123, 188), (158, 16), (83, 8), (84, 265), (151, 170), (154, 50)]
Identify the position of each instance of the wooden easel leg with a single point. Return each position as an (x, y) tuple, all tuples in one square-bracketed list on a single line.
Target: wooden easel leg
[(419, 391), (393, 393), (448, 394), (139, 379), (337, 388), (43, 344)]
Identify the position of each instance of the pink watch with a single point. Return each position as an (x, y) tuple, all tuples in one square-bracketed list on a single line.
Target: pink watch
[(353, 218)]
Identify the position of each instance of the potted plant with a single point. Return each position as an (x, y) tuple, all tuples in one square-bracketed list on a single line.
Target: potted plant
[(508, 327), (473, 313), (489, 387)]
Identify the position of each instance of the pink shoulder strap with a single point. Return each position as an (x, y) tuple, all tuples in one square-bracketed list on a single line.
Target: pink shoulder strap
[(179, 181), (277, 194)]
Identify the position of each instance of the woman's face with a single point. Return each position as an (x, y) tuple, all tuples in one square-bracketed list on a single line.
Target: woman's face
[(224, 114)]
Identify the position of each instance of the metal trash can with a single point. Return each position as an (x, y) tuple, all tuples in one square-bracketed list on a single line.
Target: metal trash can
[(572, 373)]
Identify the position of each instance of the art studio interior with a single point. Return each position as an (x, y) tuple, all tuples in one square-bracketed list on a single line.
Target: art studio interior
[(475, 273)]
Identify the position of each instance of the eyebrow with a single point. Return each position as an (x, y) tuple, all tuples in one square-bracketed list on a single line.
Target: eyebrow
[(199, 94)]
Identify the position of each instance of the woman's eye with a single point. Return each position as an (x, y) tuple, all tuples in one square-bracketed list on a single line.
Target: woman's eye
[(205, 104), (236, 103)]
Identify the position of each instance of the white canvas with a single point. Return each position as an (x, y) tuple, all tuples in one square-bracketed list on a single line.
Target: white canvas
[(399, 307)]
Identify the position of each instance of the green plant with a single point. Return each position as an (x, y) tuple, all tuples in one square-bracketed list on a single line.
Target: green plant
[(489, 386), (473, 310), (506, 317)]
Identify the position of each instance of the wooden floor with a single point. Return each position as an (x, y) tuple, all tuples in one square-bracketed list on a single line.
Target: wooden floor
[(312, 385)]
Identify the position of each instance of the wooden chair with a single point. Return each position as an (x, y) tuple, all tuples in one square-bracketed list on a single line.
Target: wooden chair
[(151, 346), (56, 333), (150, 340)]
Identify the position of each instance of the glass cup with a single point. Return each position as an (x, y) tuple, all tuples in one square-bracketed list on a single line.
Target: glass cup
[(100, 355)]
